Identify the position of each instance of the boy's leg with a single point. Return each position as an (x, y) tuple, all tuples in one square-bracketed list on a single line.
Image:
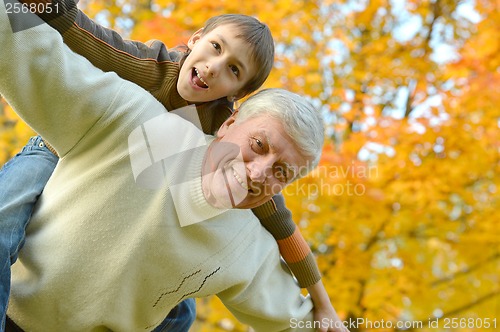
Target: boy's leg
[(180, 318), (22, 180)]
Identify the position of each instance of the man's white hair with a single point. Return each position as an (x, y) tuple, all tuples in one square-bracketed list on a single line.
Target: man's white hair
[(300, 119)]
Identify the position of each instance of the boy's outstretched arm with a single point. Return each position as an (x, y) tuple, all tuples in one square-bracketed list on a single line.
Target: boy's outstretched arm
[(277, 219), (324, 311), (150, 65), (58, 93)]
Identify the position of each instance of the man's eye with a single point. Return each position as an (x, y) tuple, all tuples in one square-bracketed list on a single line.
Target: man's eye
[(216, 46), (259, 143), (280, 174), (235, 70)]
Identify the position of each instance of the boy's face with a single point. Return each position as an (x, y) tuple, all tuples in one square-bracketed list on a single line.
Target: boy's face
[(249, 162), (219, 65)]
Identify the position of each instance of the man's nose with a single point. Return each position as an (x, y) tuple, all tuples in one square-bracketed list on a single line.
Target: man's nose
[(260, 169)]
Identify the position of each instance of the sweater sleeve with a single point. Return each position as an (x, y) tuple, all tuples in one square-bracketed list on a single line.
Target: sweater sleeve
[(268, 298), (58, 93), (260, 310), (277, 219), (149, 65)]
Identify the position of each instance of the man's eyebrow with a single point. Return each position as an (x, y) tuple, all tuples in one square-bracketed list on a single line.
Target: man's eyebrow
[(268, 141), (236, 60), (291, 170)]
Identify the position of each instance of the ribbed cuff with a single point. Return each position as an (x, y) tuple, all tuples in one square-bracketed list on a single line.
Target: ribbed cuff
[(306, 271)]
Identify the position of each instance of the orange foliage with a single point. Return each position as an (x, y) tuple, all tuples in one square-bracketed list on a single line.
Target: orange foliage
[(403, 210)]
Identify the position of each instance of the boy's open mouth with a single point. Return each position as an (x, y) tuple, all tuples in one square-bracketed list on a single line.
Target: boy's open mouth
[(198, 80)]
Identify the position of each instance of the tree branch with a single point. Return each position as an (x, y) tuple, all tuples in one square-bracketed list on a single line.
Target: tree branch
[(466, 270), (454, 312)]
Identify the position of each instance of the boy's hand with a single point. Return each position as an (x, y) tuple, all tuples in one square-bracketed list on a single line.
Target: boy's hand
[(323, 312), (328, 319)]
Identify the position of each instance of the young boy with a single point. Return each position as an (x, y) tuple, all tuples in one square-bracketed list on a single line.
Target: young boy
[(216, 70)]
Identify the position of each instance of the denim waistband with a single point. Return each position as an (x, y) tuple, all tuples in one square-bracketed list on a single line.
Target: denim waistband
[(36, 141)]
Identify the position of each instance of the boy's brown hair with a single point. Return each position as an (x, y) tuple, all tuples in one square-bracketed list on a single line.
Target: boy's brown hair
[(258, 35)]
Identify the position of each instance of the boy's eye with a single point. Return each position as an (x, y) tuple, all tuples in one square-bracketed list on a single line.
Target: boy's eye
[(235, 70), (216, 46)]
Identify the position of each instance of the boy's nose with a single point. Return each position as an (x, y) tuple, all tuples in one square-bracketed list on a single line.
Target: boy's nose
[(213, 68)]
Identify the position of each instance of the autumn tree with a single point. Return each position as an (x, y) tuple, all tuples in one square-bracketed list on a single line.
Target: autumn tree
[(416, 131)]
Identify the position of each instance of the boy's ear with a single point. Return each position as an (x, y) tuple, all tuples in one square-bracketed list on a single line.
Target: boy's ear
[(225, 126), (235, 97), (194, 38)]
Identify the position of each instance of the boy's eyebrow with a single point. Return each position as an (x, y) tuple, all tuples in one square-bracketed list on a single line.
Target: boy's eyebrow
[(238, 62)]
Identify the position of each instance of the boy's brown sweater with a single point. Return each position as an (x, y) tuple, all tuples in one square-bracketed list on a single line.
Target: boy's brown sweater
[(155, 68)]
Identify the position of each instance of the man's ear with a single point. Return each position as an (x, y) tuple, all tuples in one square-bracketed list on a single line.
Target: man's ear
[(225, 126), (194, 38)]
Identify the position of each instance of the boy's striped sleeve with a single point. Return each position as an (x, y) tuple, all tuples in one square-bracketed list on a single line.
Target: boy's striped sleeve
[(277, 219)]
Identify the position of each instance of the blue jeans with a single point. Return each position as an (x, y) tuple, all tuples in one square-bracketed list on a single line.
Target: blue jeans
[(180, 318), (22, 180)]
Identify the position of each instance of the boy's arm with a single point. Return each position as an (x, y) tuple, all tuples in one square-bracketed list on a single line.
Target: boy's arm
[(150, 66), (324, 311), (277, 219), (64, 15), (57, 92)]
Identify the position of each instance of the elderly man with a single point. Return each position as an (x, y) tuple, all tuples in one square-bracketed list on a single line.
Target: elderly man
[(132, 223)]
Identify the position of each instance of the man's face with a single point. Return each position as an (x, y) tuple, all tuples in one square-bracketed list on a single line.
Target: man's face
[(219, 65), (249, 162)]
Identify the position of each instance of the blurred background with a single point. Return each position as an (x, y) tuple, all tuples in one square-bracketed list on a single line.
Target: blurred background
[(403, 212)]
